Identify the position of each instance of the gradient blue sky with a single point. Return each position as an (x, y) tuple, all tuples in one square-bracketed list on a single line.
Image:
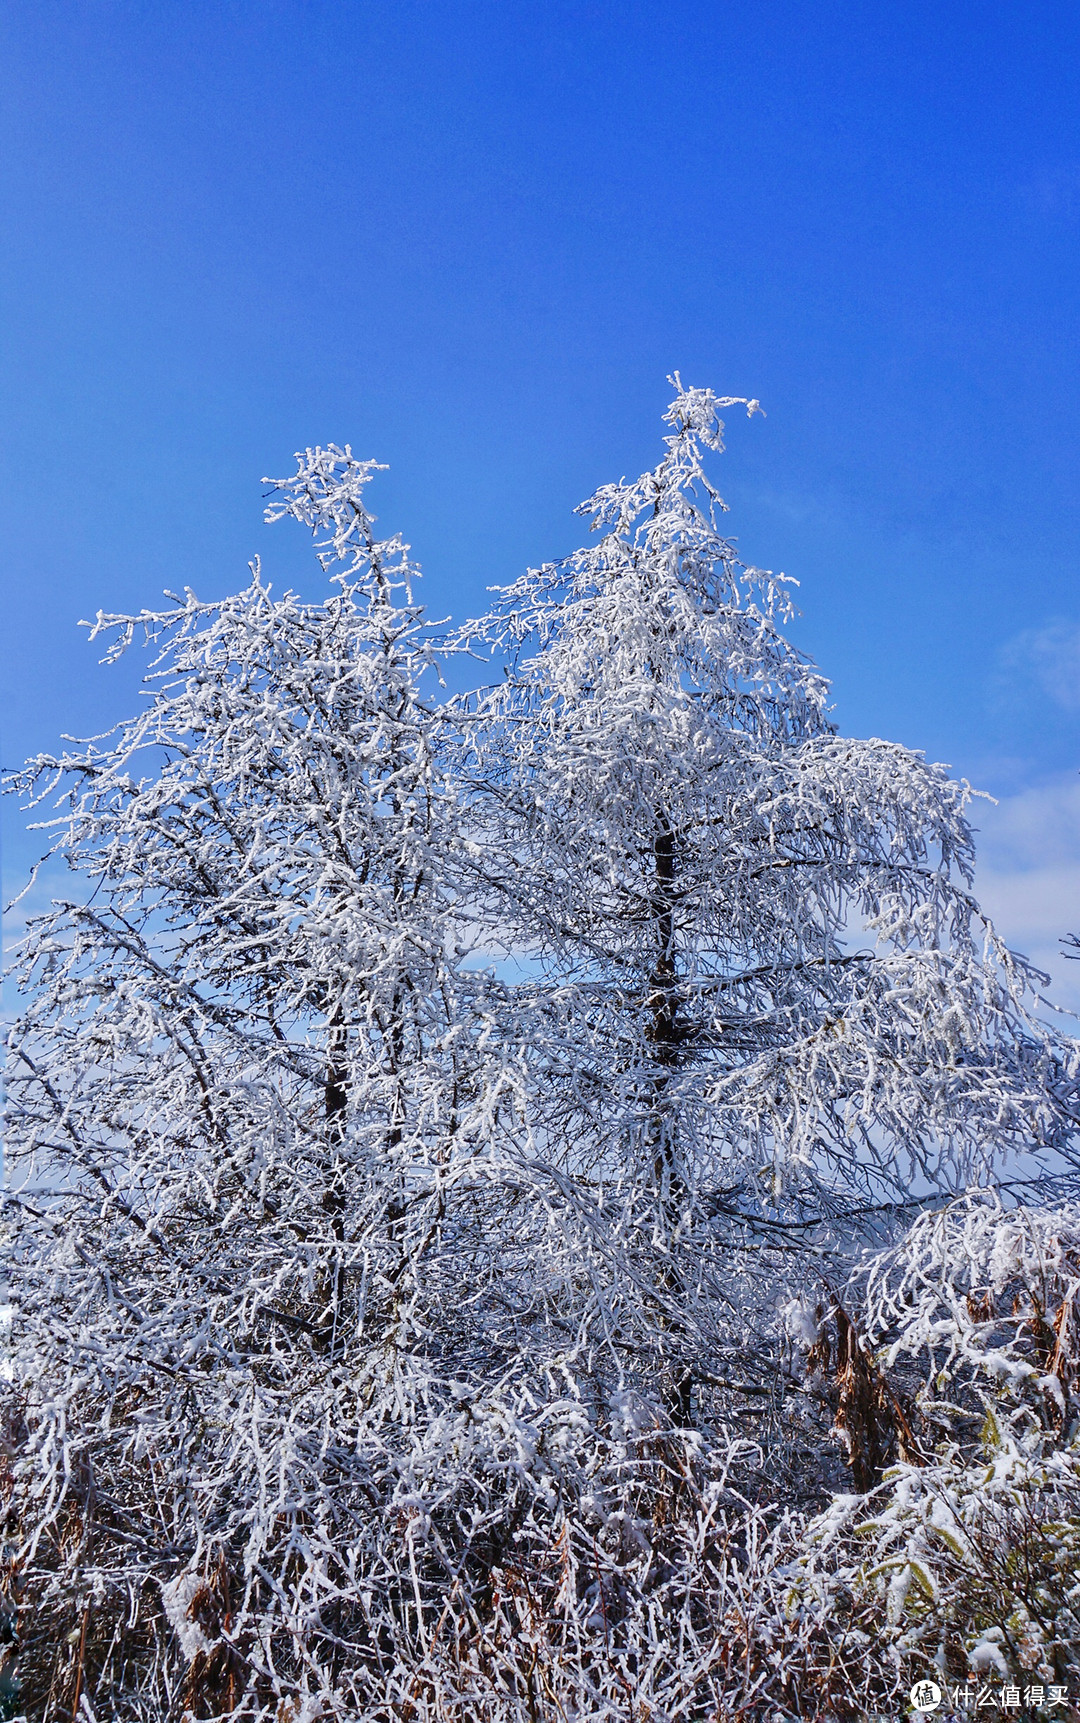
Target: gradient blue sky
[(473, 238)]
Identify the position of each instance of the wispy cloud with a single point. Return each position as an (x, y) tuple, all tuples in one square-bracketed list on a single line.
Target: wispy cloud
[(1046, 659), (1028, 876)]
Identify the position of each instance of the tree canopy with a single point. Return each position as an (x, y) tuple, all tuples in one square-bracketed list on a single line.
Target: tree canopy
[(435, 1121)]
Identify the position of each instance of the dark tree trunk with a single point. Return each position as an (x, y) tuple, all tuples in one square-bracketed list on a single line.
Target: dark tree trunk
[(662, 1027), (664, 1035), (336, 1099)]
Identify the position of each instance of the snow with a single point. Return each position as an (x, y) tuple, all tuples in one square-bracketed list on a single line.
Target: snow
[(434, 1121)]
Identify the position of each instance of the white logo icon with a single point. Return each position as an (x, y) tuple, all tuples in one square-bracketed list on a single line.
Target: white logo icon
[(925, 1696)]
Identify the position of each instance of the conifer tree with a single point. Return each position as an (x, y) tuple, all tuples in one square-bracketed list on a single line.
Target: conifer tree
[(763, 993)]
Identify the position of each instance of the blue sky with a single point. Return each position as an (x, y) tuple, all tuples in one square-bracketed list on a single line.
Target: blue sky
[(472, 239)]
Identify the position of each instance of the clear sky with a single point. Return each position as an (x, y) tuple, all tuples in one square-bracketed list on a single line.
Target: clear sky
[(471, 239)]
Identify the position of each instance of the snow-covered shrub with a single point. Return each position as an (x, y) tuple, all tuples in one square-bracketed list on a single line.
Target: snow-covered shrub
[(971, 1545)]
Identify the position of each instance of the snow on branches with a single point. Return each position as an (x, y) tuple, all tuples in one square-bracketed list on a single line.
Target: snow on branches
[(759, 937), (423, 1111), (967, 1553)]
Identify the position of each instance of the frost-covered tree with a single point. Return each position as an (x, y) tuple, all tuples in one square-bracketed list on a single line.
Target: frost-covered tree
[(246, 1008), (760, 989), (237, 1069), (422, 1109)]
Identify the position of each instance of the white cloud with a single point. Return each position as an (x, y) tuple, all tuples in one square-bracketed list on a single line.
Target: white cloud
[(1028, 877), (1036, 827), (1046, 658)]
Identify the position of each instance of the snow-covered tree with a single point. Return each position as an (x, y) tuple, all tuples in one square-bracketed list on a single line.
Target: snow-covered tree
[(237, 1068), (759, 989), (423, 1111)]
